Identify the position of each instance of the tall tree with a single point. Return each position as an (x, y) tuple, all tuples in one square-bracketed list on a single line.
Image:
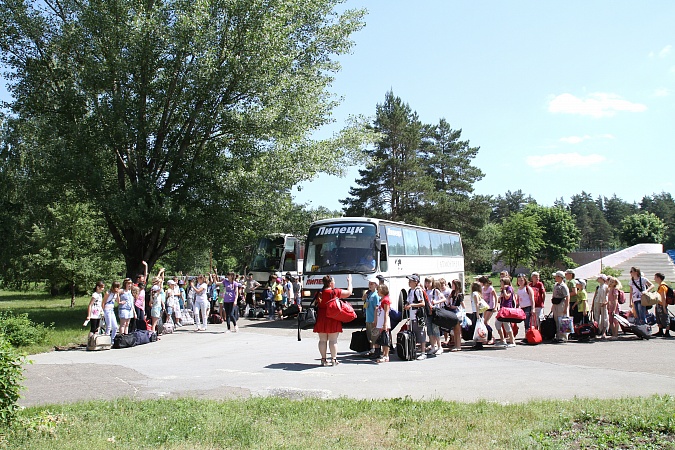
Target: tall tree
[(642, 228), (157, 113), (510, 203), (393, 182), (560, 234), (590, 221), (520, 239), (615, 210), (662, 206), (448, 163)]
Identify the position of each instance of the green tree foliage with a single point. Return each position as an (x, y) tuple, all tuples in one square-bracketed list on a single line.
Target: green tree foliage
[(642, 228), (615, 210), (662, 206), (560, 234), (11, 378), (520, 240), (479, 248), (393, 183), (590, 220), (174, 118), (71, 246), (447, 161), (510, 203)]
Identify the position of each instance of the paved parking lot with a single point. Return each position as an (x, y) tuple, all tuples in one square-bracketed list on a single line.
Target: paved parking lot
[(265, 358)]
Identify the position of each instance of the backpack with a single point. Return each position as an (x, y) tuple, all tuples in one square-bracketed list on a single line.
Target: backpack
[(670, 295), (621, 296)]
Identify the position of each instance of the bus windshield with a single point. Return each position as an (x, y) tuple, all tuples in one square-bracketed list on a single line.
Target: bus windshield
[(341, 248), (267, 255)]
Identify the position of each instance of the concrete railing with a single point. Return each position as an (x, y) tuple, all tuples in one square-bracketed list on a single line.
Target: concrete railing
[(592, 269)]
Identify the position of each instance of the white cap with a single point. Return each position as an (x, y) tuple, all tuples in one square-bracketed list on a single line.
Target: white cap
[(171, 282), (373, 280), (156, 287)]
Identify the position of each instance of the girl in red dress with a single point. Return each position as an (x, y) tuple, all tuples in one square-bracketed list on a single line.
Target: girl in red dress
[(328, 328)]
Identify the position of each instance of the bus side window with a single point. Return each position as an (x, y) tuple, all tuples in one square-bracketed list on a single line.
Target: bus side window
[(384, 264)]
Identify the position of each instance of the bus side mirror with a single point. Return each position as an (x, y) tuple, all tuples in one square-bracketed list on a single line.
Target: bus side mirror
[(378, 244)]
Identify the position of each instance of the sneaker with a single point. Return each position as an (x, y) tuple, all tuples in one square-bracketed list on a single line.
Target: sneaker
[(510, 345), (236, 328), (228, 331), (439, 351), (423, 356)]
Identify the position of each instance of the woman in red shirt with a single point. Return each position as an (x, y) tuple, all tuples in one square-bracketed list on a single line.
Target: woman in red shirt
[(328, 328)]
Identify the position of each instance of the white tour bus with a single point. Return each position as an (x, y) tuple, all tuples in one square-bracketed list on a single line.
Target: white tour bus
[(366, 248), (276, 254)]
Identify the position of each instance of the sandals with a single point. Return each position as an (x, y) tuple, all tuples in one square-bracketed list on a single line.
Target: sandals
[(382, 360), (324, 362), (455, 349), (335, 362)]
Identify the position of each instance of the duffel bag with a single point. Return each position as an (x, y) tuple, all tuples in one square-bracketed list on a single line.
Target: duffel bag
[(359, 341), (124, 341), (533, 336), (444, 318), (341, 310), (650, 298), (142, 336), (512, 315)]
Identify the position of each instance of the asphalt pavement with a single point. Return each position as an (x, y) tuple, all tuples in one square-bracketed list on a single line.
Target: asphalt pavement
[(265, 359)]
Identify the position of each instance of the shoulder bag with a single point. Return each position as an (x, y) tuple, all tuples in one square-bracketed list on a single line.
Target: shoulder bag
[(340, 310)]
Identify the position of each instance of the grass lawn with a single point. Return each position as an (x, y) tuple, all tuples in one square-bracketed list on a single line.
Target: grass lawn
[(645, 423), (43, 308)]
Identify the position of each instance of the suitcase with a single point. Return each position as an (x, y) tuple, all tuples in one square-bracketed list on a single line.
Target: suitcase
[(642, 331), (467, 333), (99, 342), (405, 345), (360, 341), (292, 310), (124, 341), (215, 318), (445, 319), (168, 328), (548, 328)]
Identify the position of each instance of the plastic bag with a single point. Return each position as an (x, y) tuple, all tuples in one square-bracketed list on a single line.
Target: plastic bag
[(480, 334), (566, 325)]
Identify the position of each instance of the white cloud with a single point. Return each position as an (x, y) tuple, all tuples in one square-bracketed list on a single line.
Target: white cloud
[(575, 139), (580, 139), (661, 92), (596, 105), (564, 160), (665, 51)]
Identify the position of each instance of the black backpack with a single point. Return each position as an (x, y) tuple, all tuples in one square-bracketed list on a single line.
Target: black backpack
[(670, 295)]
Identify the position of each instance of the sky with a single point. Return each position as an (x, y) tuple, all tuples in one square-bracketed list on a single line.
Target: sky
[(561, 97)]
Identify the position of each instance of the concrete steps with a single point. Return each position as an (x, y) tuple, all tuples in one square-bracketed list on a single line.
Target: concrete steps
[(649, 264)]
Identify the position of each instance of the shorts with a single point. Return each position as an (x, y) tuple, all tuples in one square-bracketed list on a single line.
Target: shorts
[(374, 334), (662, 318), (126, 314), (249, 298), (94, 324), (155, 312), (278, 305), (432, 329), (169, 310)]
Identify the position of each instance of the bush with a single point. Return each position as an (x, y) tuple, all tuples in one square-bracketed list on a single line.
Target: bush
[(610, 272), (11, 375), (19, 330)]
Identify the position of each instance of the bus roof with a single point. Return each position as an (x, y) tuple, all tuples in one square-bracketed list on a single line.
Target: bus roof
[(376, 222)]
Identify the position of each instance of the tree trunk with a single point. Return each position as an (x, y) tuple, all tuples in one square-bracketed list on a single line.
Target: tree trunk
[(72, 294)]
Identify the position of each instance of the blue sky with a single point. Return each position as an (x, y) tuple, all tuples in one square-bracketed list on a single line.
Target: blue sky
[(559, 96)]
